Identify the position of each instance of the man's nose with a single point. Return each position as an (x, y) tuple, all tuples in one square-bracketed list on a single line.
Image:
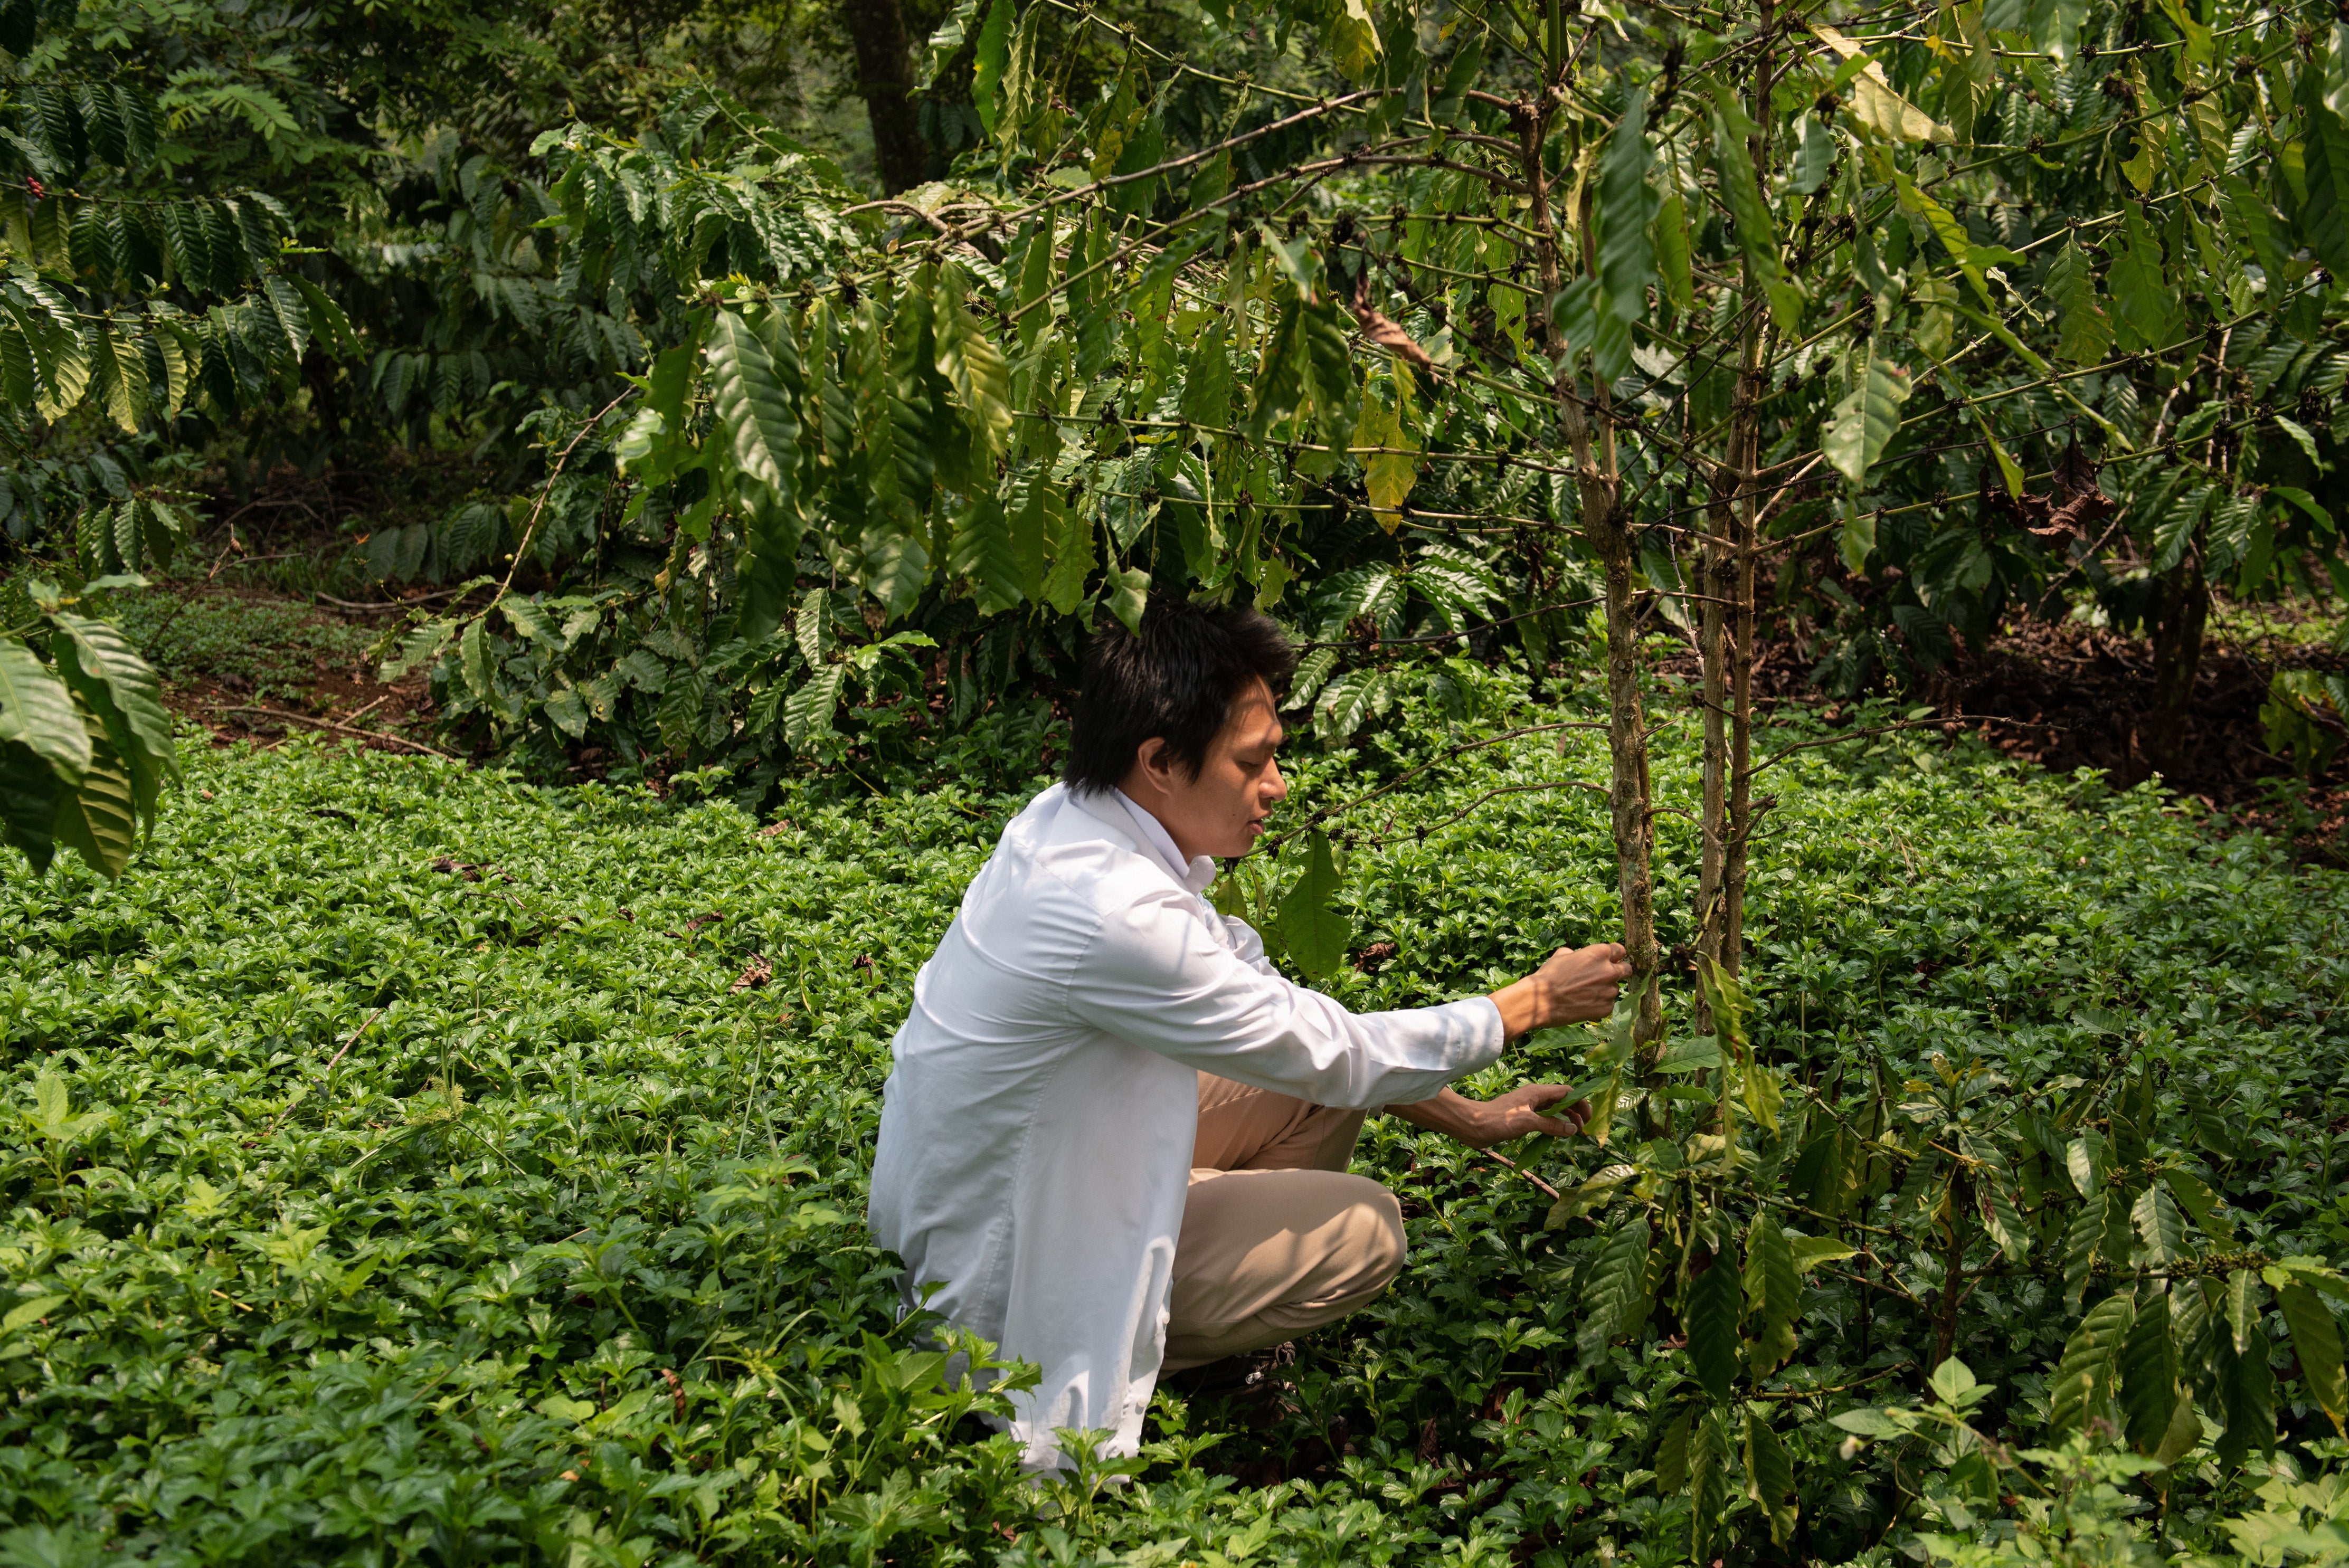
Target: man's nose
[(1274, 786)]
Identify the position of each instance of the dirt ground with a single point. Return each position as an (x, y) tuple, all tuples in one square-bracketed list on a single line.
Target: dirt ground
[(317, 679), (2066, 696)]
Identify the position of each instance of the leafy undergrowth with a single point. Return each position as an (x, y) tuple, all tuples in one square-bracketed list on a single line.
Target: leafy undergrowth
[(265, 647), (241, 660), (408, 1164)]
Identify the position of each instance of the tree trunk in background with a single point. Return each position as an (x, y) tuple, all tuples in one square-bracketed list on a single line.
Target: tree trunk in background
[(885, 65), (2177, 657)]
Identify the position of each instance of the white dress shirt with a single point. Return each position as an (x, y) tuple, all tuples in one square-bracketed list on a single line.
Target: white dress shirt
[(1035, 1129)]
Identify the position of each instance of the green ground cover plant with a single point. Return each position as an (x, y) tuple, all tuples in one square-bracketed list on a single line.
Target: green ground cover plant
[(407, 1163)]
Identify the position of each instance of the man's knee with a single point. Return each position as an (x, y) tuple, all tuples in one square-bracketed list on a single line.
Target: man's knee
[(1370, 1247)]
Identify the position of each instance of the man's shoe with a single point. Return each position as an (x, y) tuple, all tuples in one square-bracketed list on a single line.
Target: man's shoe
[(1247, 1375)]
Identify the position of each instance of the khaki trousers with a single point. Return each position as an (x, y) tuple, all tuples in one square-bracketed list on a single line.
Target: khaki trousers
[(1276, 1237)]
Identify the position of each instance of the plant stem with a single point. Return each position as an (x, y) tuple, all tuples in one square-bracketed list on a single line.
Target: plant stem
[(1945, 1325)]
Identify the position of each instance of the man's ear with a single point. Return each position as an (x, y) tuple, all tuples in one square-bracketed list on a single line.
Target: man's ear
[(1151, 763)]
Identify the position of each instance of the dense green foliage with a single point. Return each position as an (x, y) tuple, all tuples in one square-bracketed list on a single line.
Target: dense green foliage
[(1560, 336), (1946, 315), (411, 1163)]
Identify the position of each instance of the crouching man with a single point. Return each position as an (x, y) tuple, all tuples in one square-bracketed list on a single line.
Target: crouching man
[(1113, 1134)]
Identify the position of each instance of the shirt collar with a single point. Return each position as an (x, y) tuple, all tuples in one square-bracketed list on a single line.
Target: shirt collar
[(1194, 875)]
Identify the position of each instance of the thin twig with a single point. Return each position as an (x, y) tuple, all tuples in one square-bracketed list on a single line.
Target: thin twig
[(347, 729), (1883, 1284), (1785, 752), (396, 603), (329, 1073), (1447, 637), (1832, 1388), (1598, 789), (1327, 812), (530, 530), (1489, 1154)]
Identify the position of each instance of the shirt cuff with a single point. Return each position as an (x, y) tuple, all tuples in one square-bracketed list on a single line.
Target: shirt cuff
[(1482, 1036), (1487, 1033)]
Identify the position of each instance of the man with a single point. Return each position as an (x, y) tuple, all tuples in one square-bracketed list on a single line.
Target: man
[(1114, 1137)]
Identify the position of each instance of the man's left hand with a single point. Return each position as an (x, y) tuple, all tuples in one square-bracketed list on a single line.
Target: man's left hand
[(1482, 1123)]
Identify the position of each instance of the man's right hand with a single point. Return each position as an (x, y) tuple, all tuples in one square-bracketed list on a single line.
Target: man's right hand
[(1574, 986)]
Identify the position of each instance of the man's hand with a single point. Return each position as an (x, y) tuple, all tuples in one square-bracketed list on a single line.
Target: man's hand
[(1482, 1123), (1574, 986)]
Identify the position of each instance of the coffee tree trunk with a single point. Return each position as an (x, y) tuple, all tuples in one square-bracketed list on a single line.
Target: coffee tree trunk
[(2177, 626), (1588, 425), (1726, 640), (1725, 646), (884, 68)]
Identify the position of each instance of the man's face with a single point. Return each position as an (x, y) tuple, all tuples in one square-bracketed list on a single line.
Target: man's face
[(1222, 812)]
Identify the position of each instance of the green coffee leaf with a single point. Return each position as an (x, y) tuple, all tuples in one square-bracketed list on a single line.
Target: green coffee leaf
[(2084, 1158), (1769, 1476), (2149, 1373), (2196, 1198), (1615, 1289), (2087, 331), (2243, 1305), (970, 362), (2146, 308), (807, 712), (2160, 1225), (1129, 592), (749, 400), (117, 689), (1773, 1288), (1812, 1252), (37, 712), (1208, 389), (986, 69), (1067, 550), (97, 819), (2083, 1377), (1314, 931), (1866, 419), (2316, 1338), (1627, 205), (2325, 215), (1757, 232), (1712, 1317), (1672, 1460), (2004, 1223), (2248, 1392), (983, 555), (1708, 1482)]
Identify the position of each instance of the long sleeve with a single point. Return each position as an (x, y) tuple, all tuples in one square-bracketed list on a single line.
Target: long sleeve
[(1248, 942), (1155, 975)]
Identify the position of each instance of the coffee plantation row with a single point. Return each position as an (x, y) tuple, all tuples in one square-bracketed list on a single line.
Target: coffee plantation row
[(411, 1163)]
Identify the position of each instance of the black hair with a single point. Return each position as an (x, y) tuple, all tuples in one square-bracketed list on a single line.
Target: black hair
[(1176, 680)]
